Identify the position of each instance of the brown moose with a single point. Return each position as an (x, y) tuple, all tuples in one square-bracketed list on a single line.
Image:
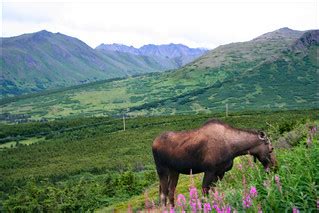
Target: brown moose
[(210, 149)]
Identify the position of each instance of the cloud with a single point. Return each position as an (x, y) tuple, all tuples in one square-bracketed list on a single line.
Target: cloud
[(195, 23), (29, 12)]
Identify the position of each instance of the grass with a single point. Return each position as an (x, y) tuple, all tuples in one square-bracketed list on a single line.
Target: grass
[(92, 163), (13, 144)]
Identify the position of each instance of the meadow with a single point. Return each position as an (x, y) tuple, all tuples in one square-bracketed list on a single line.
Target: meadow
[(85, 164)]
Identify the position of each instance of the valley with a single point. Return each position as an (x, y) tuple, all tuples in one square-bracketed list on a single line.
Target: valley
[(65, 148), (245, 76)]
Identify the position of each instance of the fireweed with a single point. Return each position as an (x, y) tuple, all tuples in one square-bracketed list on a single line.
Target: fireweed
[(248, 195)]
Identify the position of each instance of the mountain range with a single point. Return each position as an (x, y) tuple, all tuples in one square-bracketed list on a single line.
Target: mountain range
[(179, 54), (44, 60), (275, 71)]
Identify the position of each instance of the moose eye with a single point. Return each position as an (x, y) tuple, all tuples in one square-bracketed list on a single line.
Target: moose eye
[(271, 150)]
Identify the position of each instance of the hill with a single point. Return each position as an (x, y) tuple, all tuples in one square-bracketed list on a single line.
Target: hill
[(275, 71), (44, 60)]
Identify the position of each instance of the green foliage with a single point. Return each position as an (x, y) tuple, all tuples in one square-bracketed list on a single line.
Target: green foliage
[(84, 192), (95, 163)]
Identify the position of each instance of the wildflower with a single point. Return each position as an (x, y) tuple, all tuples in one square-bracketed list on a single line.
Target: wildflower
[(253, 191), (193, 198), (277, 180), (207, 207), (247, 202), (267, 169), (226, 209), (217, 197), (216, 207), (193, 193), (172, 210), (181, 200), (240, 167), (295, 210), (193, 206), (317, 204)]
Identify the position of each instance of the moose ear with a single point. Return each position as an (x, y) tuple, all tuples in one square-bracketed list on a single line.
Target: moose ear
[(262, 135)]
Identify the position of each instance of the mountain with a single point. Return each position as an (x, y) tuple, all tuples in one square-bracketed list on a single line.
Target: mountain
[(118, 48), (176, 55), (268, 46), (275, 71), (43, 60), (37, 61)]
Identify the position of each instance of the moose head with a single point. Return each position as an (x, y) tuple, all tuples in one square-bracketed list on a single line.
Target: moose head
[(264, 152)]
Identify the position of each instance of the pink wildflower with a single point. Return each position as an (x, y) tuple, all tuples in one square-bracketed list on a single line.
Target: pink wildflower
[(193, 193), (207, 207), (193, 206), (217, 197), (240, 167), (253, 191), (226, 209), (247, 202), (216, 207), (172, 210), (309, 141), (181, 200), (295, 210)]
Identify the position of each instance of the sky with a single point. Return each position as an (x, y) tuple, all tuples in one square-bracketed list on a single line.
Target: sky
[(201, 23)]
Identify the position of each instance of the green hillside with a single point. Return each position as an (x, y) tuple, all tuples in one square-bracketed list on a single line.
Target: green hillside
[(43, 60), (272, 72)]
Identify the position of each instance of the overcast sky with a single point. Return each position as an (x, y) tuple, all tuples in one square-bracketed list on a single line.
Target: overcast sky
[(200, 23)]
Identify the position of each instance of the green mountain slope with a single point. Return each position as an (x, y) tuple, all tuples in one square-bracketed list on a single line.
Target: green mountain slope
[(275, 71), (44, 60)]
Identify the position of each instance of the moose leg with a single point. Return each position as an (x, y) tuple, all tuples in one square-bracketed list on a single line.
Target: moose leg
[(209, 179), (221, 175), (173, 179), (163, 188)]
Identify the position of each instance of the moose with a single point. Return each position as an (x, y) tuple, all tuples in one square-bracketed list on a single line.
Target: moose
[(210, 149)]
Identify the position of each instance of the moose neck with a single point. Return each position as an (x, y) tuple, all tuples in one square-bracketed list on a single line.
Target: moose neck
[(243, 143)]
